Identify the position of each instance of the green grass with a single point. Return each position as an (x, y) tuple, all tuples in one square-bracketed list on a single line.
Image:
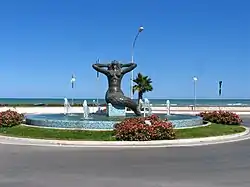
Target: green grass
[(46, 133), (59, 134), (210, 130)]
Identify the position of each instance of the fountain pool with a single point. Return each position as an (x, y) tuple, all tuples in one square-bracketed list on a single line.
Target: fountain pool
[(100, 121)]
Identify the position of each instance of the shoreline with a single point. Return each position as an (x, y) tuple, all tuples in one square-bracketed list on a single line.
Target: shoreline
[(176, 110)]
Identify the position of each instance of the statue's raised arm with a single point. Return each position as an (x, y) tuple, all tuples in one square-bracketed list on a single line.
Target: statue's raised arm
[(100, 68), (128, 67)]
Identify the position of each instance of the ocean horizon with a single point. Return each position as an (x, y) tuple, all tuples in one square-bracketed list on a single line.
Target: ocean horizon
[(154, 102)]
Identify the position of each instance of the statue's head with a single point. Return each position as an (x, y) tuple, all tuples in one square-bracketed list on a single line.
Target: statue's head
[(115, 65)]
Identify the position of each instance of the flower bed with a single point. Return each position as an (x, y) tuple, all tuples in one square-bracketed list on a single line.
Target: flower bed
[(221, 117), (144, 129), (10, 118)]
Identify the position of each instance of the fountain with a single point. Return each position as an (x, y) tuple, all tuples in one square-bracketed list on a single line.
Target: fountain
[(85, 110), (67, 106), (147, 107), (116, 107), (141, 104), (168, 107)]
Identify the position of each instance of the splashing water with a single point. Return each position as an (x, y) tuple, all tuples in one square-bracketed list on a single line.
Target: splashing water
[(85, 109), (67, 106), (147, 107), (168, 107)]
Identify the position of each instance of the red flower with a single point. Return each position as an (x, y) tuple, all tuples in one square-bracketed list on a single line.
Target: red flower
[(10, 118), (136, 129), (221, 117)]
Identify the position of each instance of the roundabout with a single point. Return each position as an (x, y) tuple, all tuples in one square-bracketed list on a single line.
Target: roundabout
[(219, 165), (129, 144), (215, 165), (125, 132), (215, 155)]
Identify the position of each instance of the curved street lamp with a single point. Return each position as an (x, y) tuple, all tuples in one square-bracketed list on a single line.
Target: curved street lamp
[(141, 28)]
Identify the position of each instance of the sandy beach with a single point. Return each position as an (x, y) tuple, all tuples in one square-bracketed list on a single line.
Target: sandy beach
[(176, 110)]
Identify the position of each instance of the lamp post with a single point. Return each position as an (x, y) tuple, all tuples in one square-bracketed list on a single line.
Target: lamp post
[(141, 28), (195, 79), (97, 78), (220, 92), (73, 80)]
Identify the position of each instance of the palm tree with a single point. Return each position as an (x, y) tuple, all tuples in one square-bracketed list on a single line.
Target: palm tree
[(143, 84)]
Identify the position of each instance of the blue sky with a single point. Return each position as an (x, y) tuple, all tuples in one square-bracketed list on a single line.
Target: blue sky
[(44, 41)]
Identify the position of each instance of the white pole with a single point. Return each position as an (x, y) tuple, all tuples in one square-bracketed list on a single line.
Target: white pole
[(97, 83), (73, 79), (194, 95), (132, 78), (97, 99), (220, 94), (195, 79)]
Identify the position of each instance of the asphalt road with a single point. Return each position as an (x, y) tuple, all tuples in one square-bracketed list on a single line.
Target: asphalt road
[(224, 165)]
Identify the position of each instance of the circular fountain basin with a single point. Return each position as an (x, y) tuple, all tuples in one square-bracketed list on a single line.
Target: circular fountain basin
[(101, 121)]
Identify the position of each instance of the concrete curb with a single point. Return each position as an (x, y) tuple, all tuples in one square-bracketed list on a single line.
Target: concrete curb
[(129, 144)]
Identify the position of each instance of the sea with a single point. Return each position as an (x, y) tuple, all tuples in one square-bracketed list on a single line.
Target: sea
[(154, 102)]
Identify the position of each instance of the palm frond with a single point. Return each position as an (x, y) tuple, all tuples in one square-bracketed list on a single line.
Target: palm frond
[(143, 84)]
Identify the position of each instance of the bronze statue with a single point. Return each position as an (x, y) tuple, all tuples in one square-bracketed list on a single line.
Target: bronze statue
[(114, 95)]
